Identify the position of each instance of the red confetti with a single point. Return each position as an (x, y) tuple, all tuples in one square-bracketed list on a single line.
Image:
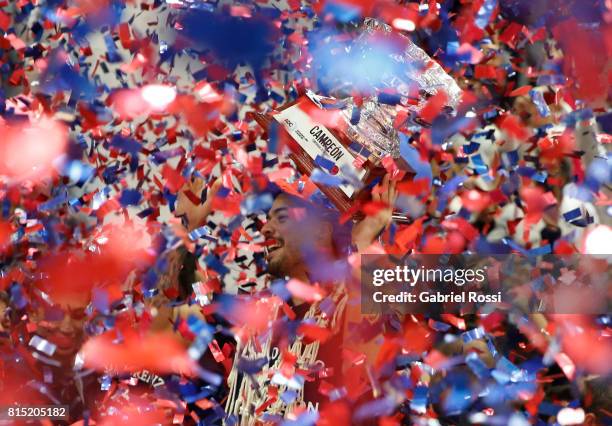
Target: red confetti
[(513, 126), (28, 151), (5, 234), (475, 200), (124, 35), (135, 415), (414, 187), (433, 106), (314, 333), (5, 21), (520, 91), (589, 70), (69, 276), (159, 353), (335, 413), (305, 292), (172, 179)]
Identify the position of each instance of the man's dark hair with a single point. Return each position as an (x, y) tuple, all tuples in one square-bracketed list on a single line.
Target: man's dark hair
[(187, 273)]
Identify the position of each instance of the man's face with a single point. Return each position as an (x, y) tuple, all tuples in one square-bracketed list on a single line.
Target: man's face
[(65, 329), (287, 236)]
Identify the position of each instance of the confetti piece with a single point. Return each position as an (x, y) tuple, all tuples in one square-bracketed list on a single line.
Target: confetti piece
[(159, 353), (130, 197), (232, 39), (305, 291), (433, 106), (42, 345), (520, 91), (22, 153)]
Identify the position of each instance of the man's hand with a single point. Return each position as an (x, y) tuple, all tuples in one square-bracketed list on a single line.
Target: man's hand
[(196, 215), (370, 227), (212, 193)]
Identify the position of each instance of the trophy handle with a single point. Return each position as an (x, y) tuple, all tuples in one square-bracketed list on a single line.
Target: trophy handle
[(263, 120)]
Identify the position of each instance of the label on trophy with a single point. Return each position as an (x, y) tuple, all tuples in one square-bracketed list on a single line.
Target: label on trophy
[(316, 140)]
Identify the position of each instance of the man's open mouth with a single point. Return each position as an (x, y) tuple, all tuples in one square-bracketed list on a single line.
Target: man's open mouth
[(65, 344), (273, 245)]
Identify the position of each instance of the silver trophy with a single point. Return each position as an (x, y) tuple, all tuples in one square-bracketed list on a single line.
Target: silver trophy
[(375, 129), (373, 135)]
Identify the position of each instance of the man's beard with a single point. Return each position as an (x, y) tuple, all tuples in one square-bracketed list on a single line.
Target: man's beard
[(275, 268), (285, 265)]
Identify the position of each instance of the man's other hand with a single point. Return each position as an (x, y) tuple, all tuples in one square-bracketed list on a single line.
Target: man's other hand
[(371, 226)]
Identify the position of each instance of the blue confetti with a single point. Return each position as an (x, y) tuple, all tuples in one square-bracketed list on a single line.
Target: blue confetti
[(288, 396), (324, 163), (105, 382), (233, 40), (319, 176), (474, 334), (478, 164), (477, 366), (375, 409), (257, 203), (201, 232), (460, 396), (112, 55), (505, 371), (446, 191), (540, 176), (53, 203), (77, 171), (411, 156), (100, 300), (355, 116), (599, 173), (389, 98), (471, 148), (419, 400), (127, 145), (273, 138), (251, 366), (342, 12), (214, 263), (484, 13), (538, 99), (444, 127), (130, 197), (16, 297), (279, 288), (605, 122), (572, 214)]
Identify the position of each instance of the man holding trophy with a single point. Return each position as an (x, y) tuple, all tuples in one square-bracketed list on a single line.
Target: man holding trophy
[(355, 162)]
